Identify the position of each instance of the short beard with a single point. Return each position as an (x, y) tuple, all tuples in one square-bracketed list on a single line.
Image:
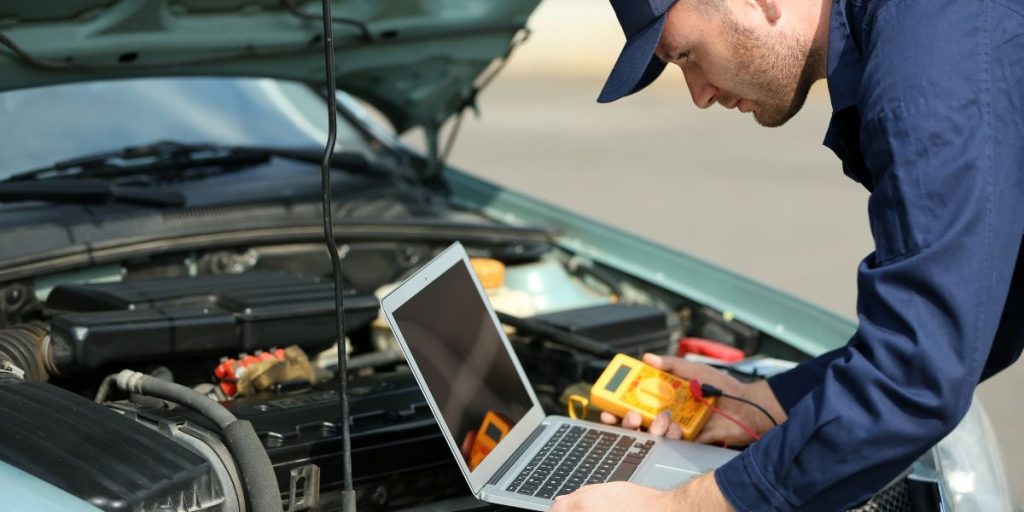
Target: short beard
[(783, 71)]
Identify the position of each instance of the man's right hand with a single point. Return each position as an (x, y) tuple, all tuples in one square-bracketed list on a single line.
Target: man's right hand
[(717, 430)]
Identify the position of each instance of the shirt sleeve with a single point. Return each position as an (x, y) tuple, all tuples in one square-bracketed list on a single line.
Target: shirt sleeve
[(947, 219), (791, 386)]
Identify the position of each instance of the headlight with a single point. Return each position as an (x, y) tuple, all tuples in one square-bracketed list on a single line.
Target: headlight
[(971, 467)]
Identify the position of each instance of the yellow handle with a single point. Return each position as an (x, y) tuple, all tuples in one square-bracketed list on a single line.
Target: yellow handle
[(583, 404)]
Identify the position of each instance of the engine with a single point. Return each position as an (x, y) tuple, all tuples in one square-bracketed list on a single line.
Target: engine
[(257, 342)]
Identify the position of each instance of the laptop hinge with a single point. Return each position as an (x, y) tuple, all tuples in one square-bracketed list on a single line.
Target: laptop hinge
[(517, 454)]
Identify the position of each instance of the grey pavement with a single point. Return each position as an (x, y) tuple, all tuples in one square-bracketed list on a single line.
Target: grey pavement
[(772, 204)]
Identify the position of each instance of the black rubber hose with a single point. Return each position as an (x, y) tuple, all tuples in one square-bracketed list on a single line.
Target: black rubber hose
[(258, 475), (254, 464), (104, 390), (578, 268)]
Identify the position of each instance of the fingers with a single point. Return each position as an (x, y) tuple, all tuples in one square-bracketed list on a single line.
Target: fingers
[(690, 370), (674, 432), (678, 365), (718, 431), (660, 425), (706, 437), (632, 420), (664, 426)]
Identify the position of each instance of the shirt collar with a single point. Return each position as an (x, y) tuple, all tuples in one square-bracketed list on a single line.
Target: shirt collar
[(844, 62)]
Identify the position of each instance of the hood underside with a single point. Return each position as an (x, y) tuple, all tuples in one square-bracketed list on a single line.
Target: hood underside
[(414, 60)]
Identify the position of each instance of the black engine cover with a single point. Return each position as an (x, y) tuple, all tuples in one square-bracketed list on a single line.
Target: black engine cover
[(148, 319)]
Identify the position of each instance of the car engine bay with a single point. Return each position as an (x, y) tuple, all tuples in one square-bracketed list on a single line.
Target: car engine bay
[(251, 328)]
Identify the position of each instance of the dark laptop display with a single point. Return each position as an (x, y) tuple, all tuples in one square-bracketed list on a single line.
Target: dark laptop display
[(462, 359)]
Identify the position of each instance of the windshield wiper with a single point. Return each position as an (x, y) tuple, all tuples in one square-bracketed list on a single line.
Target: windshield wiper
[(167, 159), (86, 191)]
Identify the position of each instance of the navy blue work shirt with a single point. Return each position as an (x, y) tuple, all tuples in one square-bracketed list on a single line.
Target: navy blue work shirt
[(928, 99)]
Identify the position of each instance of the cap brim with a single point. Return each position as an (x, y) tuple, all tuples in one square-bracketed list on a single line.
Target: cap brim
[(637, 66)]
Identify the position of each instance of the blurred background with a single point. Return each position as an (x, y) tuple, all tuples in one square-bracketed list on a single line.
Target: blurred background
[(772, 204)]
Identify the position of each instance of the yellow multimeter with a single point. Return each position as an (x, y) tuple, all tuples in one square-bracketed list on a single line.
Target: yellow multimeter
[(631, 385)]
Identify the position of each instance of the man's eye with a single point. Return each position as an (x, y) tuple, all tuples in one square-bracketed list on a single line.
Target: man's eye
[(682, 57)]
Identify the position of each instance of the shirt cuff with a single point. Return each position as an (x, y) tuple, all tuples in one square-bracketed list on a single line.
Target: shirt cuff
[(790, 387), (746, 488)]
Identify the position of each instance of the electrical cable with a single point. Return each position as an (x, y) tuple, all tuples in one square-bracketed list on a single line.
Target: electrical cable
[(348, 494), (754, 405), (709, 390), (735, 421), (699, 390)]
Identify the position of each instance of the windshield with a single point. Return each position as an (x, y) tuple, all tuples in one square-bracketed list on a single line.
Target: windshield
[(48, 124)]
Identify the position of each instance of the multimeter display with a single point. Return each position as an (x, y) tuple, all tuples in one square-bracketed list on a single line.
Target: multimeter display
[(616, 380), (631, 385)]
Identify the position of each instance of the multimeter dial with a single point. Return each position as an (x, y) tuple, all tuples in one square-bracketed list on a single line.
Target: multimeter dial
[(630, 385)]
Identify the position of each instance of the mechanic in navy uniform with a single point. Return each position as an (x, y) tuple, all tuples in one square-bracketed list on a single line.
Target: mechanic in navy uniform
[(928, 115)]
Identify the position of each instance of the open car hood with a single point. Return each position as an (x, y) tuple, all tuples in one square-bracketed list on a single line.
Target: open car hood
[(416, 61)]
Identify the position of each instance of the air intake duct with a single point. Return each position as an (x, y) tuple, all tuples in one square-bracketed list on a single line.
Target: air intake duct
[(25, 348)]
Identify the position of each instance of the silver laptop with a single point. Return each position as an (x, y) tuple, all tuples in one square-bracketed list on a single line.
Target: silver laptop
[(458, 352)]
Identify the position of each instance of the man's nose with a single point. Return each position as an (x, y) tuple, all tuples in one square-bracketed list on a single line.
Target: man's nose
[(703, 93)]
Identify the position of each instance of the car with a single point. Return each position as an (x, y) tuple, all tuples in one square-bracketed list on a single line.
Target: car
[(160, 212)]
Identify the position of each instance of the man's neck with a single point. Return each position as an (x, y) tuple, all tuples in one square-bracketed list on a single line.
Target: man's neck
[(821, 17)]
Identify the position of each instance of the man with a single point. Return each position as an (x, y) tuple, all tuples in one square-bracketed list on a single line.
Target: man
[(929, 116)]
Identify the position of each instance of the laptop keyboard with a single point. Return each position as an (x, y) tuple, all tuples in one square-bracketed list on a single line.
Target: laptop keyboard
[(576, 456)]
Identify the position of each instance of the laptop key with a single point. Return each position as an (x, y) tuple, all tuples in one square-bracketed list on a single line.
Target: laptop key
[(547, 492), (623, 472), (528, 489)]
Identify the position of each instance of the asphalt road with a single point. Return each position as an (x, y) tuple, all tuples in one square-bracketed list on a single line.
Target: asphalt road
[(770, 204)]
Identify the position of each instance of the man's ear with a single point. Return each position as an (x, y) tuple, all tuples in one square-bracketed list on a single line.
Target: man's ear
[(770, 9)]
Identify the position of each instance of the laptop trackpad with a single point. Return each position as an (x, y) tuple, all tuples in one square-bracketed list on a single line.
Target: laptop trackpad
[(664, 477)]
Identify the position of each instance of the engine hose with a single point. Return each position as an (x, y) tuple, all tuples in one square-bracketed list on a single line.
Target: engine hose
[(23, 346), (579, 268), (251, 457)]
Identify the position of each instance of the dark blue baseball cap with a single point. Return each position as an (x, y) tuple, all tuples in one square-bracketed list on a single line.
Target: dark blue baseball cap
[(642, 21)]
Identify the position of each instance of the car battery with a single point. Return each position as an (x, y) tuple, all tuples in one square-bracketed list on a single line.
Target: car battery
[(627, 328)]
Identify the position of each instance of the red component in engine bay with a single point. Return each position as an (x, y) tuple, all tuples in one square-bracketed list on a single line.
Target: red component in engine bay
[(230, 370), (709, 348)]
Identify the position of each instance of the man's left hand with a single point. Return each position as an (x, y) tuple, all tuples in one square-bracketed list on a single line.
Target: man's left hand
[(700, 494)]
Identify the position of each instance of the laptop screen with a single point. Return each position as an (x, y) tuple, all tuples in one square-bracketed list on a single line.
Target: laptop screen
[(461, 357)]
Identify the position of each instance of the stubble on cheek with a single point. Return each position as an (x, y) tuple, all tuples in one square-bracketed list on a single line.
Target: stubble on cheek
[(774, 69)]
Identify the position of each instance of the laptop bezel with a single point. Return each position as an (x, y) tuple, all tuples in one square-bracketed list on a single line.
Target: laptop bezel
[(479, 477)]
